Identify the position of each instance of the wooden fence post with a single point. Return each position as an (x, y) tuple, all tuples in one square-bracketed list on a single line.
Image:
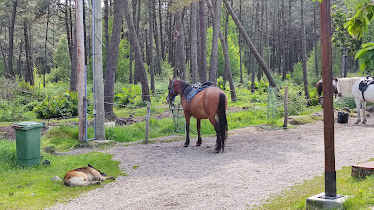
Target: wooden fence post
[(147, 118), (285, 107)]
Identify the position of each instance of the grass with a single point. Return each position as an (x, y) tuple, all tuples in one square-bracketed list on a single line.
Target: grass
[(360, 190), (32, 188)]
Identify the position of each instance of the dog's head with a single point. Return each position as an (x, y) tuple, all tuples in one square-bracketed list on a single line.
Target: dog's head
[(102, 174)]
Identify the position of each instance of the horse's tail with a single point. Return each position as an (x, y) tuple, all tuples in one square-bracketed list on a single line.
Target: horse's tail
[(222, 118)]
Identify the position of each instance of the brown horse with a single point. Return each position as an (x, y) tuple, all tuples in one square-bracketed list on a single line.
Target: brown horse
[(205, 104), (319, 88)]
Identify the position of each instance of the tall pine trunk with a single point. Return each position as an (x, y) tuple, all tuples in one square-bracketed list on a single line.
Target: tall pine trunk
[(303, 51), (29, 66), (214, 52), (11, 38), (111, 64), (138, 53), (202, 34), (150, 45), (157, 41), (180, 55), (194, 66)]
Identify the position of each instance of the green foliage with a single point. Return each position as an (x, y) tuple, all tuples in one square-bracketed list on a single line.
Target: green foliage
[(341, 37), (61, 60), (359, 23), (65, 105), (129, 95), (123, 64), (366, 58)]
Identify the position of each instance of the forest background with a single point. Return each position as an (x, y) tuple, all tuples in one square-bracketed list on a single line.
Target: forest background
[(177, 39)]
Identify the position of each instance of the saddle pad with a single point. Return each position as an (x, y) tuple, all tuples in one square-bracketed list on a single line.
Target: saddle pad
[(191, 90), (365, 83)]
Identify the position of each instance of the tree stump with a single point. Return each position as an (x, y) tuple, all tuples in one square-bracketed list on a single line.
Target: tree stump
[(363, 169)]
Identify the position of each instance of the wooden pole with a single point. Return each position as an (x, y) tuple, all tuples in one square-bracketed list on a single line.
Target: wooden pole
[(328, 109), (285, 107), (147, 118), (98, 72), (80, 69)]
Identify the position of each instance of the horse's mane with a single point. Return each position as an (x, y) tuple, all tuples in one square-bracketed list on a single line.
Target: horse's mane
[(345, 85), (184, 86)]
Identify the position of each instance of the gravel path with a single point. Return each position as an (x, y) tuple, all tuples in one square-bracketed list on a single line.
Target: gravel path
[(256, 164)]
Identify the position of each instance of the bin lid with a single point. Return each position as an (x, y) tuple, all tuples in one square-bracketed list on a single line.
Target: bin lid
[(27, 125)]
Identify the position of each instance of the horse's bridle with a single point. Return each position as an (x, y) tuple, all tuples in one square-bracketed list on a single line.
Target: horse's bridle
[(171, 91)]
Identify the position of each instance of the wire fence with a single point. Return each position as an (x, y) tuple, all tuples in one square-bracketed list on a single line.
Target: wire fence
[(274, 104)]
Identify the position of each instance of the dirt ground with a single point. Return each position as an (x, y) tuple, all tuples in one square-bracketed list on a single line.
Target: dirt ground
[(257, 163)]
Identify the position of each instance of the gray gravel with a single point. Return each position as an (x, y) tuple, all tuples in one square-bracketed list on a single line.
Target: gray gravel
[(256, 164)]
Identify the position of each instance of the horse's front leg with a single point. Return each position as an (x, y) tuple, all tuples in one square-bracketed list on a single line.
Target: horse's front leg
[(358, 105), (198, 143), (364, 120), (187, 130)]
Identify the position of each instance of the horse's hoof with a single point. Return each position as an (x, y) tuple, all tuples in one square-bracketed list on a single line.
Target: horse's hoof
[(185, 145), (198, 144), (216, 150), (357, 122)]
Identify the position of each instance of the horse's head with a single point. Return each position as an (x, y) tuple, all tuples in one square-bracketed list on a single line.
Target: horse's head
[(172, 92)]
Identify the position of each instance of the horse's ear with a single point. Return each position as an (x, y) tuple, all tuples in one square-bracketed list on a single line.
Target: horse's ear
[(169, 80)]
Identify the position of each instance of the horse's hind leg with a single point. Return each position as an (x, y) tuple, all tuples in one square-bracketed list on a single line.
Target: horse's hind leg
[(364, 120), (198, 143), (358, 105), (187, 130), (217, 129)]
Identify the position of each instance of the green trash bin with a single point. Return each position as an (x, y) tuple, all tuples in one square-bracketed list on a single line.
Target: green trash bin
[(28, 142)]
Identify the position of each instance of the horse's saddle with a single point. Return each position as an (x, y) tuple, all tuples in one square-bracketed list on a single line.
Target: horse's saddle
[(364, 85), (191, 90)]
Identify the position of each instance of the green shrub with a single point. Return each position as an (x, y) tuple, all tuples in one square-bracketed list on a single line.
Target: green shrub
[(130, 95), (65, 105)]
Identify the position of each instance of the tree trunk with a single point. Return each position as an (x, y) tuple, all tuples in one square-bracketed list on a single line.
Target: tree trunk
[(261, 35), (161, 30), (240, 44), (73, 67), (202, 35), (111, 64), (250, 45), (19, 65), (11, 38), (303, 51), (214, 52), (226, 57), (138, 54), (68, 30), (180, 56), (194, 66), (45, 48), (150, 46), (283, 44), (29, 67), (158, 69), (106, 29), (315, 40)]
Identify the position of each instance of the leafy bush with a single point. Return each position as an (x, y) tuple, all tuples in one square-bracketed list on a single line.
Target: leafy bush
[(65, 105), (130, 95)]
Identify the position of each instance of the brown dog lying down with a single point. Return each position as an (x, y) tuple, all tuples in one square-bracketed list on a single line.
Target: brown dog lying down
[(84, 177)]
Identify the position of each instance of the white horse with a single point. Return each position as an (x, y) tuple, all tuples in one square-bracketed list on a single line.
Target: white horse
[(349, 87)]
